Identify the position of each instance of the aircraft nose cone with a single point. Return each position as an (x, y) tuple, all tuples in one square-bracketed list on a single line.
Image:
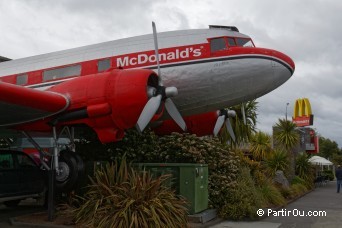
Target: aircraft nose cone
[(289, 63)]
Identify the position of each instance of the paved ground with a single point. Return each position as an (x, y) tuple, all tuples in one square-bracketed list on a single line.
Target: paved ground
[(296, 214), (25, 207)]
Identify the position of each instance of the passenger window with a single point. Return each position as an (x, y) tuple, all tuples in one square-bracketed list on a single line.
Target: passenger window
[(244, 42), (217, 44), (64, 72), (6, 161), (21, 79), (103, 65)]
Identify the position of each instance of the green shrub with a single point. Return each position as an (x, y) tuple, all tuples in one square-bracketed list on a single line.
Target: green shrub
[(222, 162), (298, 189), (122, 197), (298, 180), (260, 145), (286, 192), (242, 201), (259, 178), (329, 173), (295, 191), (272, 195), (305, 170), (251, 164), (278, 160)]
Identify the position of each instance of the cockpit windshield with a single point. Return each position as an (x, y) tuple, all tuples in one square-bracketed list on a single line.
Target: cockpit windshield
[(242, 42), (223, 43)]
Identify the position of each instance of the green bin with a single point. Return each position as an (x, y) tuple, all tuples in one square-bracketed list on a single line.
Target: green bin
[(188, 180)]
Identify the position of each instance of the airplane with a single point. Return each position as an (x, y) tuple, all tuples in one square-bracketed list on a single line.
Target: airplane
[(117, 85)]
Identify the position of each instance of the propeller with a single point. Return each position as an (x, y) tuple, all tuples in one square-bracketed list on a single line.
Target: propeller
[(224, 117), (243, 113), (158, 95)]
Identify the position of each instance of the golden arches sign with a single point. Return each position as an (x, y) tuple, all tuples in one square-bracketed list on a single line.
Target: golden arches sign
[(302, 114), (302, 108)]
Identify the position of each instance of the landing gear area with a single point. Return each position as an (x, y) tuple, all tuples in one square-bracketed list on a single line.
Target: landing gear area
[(71, 169), (65, 167)]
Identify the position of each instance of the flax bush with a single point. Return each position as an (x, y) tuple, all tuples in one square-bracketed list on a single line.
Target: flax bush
[(298, 190), (271, 195), (122, 197)]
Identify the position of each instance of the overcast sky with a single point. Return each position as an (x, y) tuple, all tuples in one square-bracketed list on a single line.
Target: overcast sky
[(309, 31)]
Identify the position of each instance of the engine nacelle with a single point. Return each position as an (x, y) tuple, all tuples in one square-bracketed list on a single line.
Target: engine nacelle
[(200, 125), (109, 102)]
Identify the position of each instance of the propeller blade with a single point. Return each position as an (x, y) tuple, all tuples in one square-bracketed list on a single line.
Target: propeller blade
[(174, 113), (169, 92), (148, 112), (219, 123), (155, 39), (243, 113), (230, 129)]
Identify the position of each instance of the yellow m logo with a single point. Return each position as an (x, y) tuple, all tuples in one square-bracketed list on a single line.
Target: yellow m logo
[(302, 108)]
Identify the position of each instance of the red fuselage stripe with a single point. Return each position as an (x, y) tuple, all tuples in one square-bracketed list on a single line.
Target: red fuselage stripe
[(174, 56)]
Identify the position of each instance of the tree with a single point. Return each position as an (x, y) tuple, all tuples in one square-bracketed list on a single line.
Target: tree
[(260, 145), (337, 159), (328, 148)]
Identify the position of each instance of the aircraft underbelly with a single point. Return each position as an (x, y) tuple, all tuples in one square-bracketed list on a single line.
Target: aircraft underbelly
[(209, 86), (14, 114)]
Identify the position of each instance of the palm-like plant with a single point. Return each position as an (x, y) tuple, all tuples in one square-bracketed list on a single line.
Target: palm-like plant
[(260, 145), (278, 160), (242, 131), (285, 134)]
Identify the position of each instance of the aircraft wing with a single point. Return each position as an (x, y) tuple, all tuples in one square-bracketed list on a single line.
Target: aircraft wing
[(19, 104)]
